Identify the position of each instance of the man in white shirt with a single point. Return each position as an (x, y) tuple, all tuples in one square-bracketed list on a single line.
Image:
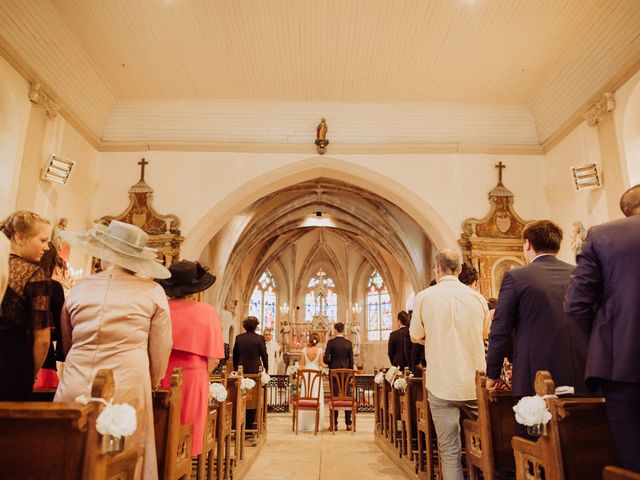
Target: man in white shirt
[(274, 351), (448, 319)]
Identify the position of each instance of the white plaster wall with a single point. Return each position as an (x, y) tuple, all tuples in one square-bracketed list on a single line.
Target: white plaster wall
[(14, 118), (627, 122), (72, 200), (206, 189), (568, 205)]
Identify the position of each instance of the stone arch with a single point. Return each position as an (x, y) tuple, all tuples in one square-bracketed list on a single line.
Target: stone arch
[(219, 214)]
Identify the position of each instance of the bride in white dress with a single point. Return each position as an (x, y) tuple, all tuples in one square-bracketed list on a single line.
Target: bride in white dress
[(312, 359)]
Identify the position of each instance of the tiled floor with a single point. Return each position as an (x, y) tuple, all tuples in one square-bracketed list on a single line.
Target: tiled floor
[(323, 457)]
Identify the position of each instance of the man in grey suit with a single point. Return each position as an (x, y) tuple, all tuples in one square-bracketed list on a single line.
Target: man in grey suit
[(339, 354), (530, 310), (604, 301)]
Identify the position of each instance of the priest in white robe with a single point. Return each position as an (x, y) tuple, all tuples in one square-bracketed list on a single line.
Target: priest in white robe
[(274, 351)]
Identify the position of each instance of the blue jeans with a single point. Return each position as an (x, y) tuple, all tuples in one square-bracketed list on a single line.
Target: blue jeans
[(446, 419)]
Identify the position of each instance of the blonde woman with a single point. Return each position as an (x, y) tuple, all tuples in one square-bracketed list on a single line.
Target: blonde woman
[(25, 319)]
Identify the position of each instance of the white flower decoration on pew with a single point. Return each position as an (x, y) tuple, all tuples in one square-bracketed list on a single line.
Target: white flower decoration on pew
[(391, 374), (265, 378), (400, 384), (217, 391), (379, 378), (532, 411), (247, 384), (116, 419)]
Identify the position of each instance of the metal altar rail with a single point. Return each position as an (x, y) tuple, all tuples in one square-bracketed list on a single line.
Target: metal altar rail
[(280, 387)]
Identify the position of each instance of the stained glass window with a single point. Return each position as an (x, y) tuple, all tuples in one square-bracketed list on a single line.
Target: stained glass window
[(379, 313), (263, 302), (321, 297)]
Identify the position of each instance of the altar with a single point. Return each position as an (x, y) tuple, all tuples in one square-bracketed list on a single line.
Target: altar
[(295, 332)]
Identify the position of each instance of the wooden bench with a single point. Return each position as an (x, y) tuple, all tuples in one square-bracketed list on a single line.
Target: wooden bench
[(224, 467), (173, 440), (488, 439), (205, 467), (408, 415), (393, 415), (427, 453), (40, 440), (381, 401), (615, 473), (255, 400), (577, 444), (238, 416)]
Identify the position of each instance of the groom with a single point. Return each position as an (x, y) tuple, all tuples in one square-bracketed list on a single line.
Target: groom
[(339, 354)]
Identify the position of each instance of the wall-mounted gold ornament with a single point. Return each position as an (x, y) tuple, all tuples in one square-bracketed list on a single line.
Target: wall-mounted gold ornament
[(321, 137)]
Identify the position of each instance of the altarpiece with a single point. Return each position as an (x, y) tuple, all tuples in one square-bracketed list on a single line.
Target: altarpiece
[(493, 244)]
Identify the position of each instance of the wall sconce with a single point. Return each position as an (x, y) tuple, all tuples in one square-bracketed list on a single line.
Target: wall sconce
[(57, 169), (284, 308), (586, 177), (356, 308)]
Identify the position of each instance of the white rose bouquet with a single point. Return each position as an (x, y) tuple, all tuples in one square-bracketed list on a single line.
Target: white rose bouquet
[(117, 420), (400, 384), (217, 392), (379, 378), (531, 411), (246, 384), (265, 378)]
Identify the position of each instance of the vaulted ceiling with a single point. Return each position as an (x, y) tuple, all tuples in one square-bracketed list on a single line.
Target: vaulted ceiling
[(368, 224), (552, 56)]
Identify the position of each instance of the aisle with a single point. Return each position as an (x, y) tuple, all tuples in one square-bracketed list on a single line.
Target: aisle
[(323, 457)]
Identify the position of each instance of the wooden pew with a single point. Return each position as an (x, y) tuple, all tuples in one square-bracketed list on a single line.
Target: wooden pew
[(488, 439), (427, 453), (577, 444), (223, 455), (40, 440), (206, 459), (255, 400), (616, 473), (408, 417), (381, 402), (393, 415), (238, 416), (173, 440)]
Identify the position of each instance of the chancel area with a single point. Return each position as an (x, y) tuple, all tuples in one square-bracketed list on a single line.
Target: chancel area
[(310, 240)]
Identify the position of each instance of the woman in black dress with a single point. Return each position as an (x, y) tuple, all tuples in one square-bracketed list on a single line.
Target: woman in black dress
[(25, 318), (54, 267)]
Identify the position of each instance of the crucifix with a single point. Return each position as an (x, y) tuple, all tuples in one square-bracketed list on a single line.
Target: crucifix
[(500, 166), (142, 164)]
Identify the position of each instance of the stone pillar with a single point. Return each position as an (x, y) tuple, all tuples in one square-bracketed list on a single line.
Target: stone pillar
[(43, 109), (601, 117)]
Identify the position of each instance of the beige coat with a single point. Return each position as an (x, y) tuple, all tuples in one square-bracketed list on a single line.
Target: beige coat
[(118, 321)]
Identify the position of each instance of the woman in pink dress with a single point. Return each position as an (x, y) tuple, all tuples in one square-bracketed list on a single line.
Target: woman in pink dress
[(197, 342), (118, 319)]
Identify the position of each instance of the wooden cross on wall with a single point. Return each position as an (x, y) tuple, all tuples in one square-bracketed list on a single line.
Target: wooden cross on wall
[(500, 166), (142, 164)]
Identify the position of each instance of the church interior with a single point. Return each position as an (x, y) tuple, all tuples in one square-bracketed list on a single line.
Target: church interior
[(315, 156)]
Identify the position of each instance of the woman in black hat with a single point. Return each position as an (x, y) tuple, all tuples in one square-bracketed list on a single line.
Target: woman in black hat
[(197, 342)]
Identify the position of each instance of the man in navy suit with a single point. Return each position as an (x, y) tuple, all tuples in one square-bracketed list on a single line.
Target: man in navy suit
[(604, 301), (530, 310), (339, 354)]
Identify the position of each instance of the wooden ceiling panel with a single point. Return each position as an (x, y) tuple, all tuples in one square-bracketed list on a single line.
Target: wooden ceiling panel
[(551, 55)]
